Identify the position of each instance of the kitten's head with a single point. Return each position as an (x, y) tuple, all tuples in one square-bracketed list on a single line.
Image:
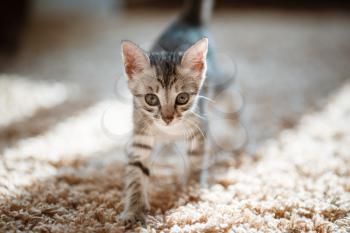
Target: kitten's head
[(165, 85)]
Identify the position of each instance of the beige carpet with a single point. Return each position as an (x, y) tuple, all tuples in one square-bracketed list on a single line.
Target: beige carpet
[(65, 175)]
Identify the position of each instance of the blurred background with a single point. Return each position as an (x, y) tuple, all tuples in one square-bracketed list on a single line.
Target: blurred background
[(65, 117), (289, 55)]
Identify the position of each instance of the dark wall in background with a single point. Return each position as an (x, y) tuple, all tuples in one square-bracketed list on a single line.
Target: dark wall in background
[(14, 13), (13, 16), (290, 4)]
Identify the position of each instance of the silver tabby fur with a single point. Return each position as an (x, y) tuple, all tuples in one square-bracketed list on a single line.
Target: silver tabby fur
[(176, 64)]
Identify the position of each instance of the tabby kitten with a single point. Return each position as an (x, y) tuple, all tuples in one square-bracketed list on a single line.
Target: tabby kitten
[(165, 84)]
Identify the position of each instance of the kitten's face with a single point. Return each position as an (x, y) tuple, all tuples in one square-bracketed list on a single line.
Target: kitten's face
[(165, 86)]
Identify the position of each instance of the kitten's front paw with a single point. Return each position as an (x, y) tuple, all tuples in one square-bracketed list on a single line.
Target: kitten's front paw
[(132, 217)]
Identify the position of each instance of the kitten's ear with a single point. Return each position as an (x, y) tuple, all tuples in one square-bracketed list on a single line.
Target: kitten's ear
[(195, 57), (135, 59)]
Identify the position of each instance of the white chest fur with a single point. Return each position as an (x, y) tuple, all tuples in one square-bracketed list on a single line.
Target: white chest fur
[(171, 132)]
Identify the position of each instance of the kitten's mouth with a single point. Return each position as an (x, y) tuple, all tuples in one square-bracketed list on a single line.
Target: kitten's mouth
[(163, 123)]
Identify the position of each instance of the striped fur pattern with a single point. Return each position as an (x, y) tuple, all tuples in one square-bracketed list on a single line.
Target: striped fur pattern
[(165, 86)]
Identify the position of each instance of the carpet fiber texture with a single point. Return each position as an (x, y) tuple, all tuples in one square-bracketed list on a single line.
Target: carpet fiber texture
[(68, 177)]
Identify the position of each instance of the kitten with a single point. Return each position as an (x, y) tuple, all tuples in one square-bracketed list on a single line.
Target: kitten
[(165, 84)]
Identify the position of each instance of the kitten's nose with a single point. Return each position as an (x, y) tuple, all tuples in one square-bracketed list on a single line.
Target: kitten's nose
[(167, 119)]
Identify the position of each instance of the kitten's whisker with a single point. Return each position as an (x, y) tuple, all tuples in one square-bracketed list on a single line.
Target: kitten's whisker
[(196, 107), (200, 130), (192, 135), (145, 128), (195, 125), (206, 98), (157, 155), (202, 117), (183, 159), (189, 134)]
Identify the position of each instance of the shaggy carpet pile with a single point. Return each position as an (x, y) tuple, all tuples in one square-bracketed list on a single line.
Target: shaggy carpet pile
[(65, 175)]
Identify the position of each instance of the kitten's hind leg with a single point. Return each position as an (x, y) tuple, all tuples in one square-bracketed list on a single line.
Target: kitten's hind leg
[(203, 180), (137, 175), (196, 152)]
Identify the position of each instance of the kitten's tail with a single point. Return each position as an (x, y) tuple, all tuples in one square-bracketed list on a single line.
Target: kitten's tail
[(198, 12)]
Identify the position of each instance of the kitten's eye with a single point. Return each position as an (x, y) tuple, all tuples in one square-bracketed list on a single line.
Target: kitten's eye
[(182, 98), (152, 99)]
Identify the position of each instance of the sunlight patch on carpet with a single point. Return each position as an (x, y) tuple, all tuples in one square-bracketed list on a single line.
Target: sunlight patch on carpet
[(20, 97), (299, 182), (78, 136)]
